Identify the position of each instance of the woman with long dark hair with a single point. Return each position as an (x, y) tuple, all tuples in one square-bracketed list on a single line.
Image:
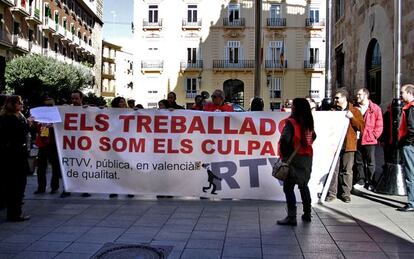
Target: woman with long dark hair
[(298, 134), (14, 153)]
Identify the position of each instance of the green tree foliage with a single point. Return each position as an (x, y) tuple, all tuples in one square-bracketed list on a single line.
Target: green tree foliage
[(33, 76), (94, 100)]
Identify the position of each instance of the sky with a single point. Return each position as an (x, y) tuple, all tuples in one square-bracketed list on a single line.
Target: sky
[(118, 16)]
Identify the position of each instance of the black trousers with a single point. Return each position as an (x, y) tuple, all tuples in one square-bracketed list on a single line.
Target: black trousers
[(364, 167), (15, 183), (48, 154)]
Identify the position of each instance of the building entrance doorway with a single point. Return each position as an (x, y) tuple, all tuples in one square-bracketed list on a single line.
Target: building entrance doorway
[(234, 91)]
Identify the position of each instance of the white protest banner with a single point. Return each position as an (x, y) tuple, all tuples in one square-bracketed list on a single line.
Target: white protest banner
[(183, 153)]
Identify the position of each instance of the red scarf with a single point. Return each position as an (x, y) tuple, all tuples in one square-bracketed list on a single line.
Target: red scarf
[(402, 131)]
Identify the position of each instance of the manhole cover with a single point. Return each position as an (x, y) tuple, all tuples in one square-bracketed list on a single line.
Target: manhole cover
[(135, 251)]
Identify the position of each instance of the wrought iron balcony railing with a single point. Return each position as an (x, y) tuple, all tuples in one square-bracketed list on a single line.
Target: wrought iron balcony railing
[(311, 22), (233, 64), (152, 25), (191, 24), (241, 22), (313, 64), (191, 64), (276, 63), (276, 22)]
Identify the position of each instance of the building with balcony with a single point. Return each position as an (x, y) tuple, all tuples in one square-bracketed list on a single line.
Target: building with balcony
[(68, 30), (363, 46), (117, 71), (208, 44)]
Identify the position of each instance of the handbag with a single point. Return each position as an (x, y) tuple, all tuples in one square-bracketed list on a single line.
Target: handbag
[(281, 169)]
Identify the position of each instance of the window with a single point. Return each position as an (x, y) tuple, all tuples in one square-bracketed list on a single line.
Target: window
[(191, 55), (314, 15), (275, 11), (233, 49), (192, 13), (1, 25), (191, 87), (16, 28), (153, 14), (340, 66), (31, 35), (275, 86), (152, 105), (56, 17), (234, 12), (64, 23), (276, 52), (275, 106), (313, 55), (45, 42), (339, 9)]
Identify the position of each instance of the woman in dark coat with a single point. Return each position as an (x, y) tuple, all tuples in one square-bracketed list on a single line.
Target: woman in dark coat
[(298, 134), (14, 129)]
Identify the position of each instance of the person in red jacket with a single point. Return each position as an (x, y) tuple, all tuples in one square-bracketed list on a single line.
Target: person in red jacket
[(299, 134), (364, 167), (218, 104), (406, 143)]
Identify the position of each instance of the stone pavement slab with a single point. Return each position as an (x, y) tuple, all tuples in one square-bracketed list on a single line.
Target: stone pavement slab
[(76, 227)]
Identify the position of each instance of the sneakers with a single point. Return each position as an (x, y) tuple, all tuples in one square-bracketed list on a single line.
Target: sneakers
[(288, 221), (346, 199), (406, 208), (113, 195), (369, 187), (358, 186), (330, 198)]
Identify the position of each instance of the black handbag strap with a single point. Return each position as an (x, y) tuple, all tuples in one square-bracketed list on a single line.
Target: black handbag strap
[(293, 154)]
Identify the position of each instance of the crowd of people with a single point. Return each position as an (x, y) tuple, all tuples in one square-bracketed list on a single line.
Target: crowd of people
[(355, 168)]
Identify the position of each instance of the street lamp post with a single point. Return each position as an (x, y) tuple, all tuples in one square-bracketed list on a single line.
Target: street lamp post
[(258, 30), (392, 179)]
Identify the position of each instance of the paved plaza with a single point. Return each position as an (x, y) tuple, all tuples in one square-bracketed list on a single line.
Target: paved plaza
[(76, 227)]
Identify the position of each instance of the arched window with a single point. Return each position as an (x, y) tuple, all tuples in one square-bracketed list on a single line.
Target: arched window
[(373, 71)]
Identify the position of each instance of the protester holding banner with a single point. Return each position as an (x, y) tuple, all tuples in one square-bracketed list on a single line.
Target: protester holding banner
[(77, 100), (364, 168), (406, 143), (45, 141), (218, 104), (119, 102), (198, 103), (172, 97), (343, 169), (298, 135), (13, 154)]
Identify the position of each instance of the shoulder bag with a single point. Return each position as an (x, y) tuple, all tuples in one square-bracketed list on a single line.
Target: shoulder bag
[(281, 169)]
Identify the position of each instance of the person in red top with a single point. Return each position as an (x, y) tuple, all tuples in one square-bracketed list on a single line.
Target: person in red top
[(406, 143), (299, 134), (198, 103), (364, 167), (218, 104), (45, 140)]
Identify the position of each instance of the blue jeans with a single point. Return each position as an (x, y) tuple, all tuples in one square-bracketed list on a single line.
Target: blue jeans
[(408, 167)]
